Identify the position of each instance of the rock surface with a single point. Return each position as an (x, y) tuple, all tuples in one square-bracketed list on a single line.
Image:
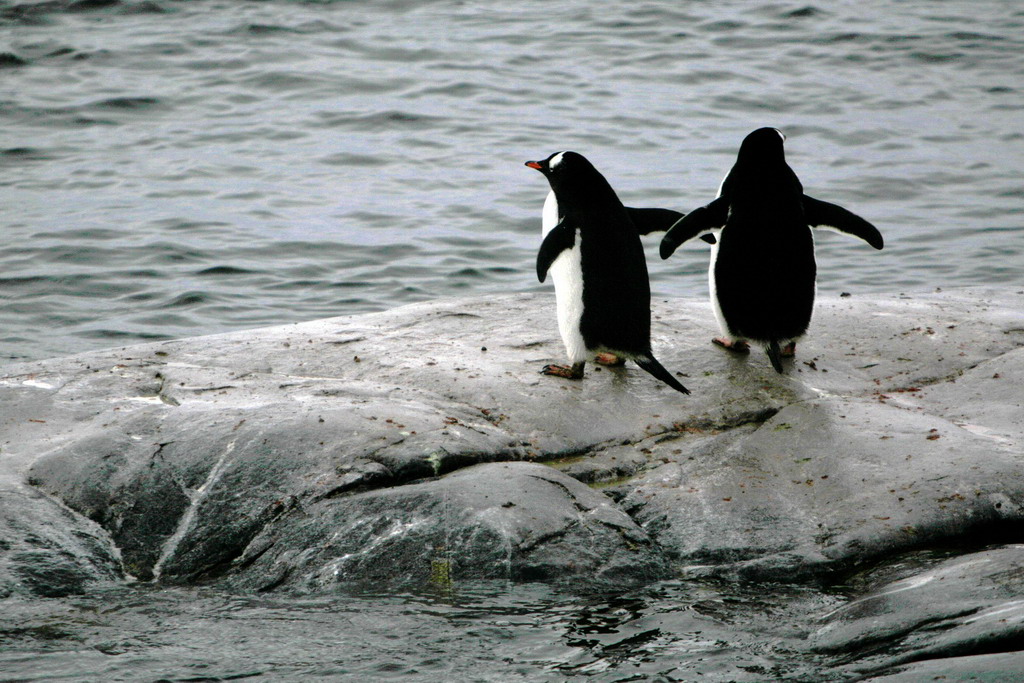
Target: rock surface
[(421, 446), (47, 550), (942, 618)]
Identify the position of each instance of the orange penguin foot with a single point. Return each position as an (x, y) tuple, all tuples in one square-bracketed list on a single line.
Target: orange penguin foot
[(609, 359), (735, 346), (568, 372), (789, 350)]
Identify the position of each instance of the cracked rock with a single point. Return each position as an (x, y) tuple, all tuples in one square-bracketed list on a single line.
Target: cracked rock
[(351, 449), (515, 521), (48, 551), (823, 485), (943, 617)]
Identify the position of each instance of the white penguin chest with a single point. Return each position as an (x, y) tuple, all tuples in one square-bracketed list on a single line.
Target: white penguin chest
[(567, 275)]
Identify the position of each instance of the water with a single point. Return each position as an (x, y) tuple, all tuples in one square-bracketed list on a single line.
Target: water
[(170, 168), (173, 168), (487, 631)]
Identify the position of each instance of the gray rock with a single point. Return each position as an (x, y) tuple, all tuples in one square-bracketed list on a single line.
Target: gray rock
[(183, 487), (516, 521), (937, 618), (241, 457), (48, 551), (1004, 666), (824, 485)]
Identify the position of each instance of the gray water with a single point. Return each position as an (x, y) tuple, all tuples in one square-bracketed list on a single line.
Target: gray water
[(487, 631), (692, 630), (169, 169)]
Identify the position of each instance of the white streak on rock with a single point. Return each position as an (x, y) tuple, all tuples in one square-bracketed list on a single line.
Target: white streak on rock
[(196, 497)]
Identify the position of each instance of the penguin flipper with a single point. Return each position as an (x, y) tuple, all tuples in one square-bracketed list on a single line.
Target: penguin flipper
[(692, 224), (821, 214), (651, 365), (560, 238), (647, 221)]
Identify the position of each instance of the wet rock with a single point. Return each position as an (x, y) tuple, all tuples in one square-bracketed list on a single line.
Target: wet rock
[(184, 488), (48, 551), (945, 618), (307, 454), (605, 467), (824, 485), (516, 521), (1004, 666)]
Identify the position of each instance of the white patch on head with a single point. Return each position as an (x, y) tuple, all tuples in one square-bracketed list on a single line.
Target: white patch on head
[(567, 275), (781, 134), (555, 160)]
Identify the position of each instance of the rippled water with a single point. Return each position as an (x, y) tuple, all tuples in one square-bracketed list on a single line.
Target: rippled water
[(484, 632), (172, 168)]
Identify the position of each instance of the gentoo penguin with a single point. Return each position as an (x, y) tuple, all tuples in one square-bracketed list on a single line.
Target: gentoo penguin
[(592, 247), (762, 273)]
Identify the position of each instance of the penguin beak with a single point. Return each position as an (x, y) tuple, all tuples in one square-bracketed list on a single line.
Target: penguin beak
[(535, 164)]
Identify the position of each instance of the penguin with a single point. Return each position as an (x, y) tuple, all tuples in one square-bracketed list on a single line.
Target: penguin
[(762, 276), (591, 246)]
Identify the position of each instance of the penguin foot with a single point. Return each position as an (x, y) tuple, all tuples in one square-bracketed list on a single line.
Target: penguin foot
[(609, 359), (568, 372), (789, 350), (734, 346)]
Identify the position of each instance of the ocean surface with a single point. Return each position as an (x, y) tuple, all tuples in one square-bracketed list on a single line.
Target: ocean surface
[(172, 168), (485, 632)]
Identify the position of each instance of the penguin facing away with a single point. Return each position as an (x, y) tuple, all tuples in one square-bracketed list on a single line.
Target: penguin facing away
[(762, 272), (591, 247)]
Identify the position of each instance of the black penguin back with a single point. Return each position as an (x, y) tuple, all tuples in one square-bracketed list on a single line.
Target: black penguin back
[(765, 269)]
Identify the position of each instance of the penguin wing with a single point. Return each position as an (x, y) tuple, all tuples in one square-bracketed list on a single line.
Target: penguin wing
[(560, 238), (647, 221), (692, 224), (821, 214)]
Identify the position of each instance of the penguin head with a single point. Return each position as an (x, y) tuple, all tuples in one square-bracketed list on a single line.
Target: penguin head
[(764, 144), (562, 166)]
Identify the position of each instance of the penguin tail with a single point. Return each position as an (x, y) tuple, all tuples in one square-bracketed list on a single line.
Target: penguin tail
[(651, 365), (774, 354)]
